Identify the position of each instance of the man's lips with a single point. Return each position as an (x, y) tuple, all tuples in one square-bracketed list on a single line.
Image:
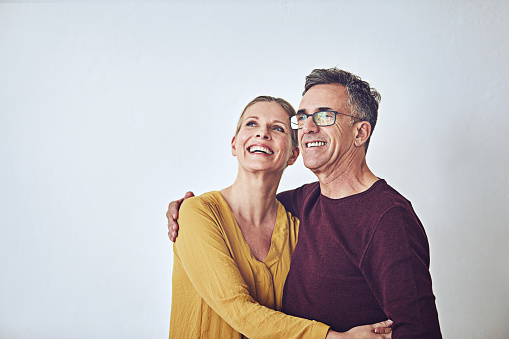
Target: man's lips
[(311, 144)]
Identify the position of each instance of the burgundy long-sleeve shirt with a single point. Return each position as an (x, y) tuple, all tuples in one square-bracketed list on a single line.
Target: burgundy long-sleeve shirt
[(360, 260)]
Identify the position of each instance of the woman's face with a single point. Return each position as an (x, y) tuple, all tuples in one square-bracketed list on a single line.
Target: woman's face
[(264, 141)]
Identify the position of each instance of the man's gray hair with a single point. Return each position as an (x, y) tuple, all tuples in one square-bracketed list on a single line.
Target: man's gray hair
[(362, 99)]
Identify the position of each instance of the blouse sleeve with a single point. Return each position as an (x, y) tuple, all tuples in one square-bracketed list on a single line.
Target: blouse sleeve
[(211, 269)]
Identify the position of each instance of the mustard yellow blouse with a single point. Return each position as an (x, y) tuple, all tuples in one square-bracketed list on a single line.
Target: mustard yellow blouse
[(219, 288)]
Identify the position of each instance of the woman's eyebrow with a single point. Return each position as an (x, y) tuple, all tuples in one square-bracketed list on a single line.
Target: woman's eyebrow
[(280, 122)]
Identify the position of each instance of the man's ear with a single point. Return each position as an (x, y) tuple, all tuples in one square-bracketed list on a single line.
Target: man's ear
[(234, 150), (294, 156), (362, 132)]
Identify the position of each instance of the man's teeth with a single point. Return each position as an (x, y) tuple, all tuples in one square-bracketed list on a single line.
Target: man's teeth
[(260, 149), (315, 144)]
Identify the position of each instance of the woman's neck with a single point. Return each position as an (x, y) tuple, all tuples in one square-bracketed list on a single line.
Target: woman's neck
[(252, 197)]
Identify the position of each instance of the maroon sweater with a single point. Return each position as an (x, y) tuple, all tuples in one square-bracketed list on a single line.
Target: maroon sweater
[(360, 260)]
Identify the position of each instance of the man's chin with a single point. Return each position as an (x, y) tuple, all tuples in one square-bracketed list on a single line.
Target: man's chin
[(313, 165)]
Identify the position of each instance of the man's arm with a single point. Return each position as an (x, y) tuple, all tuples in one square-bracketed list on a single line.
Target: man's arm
[(286, 198), (396, 267)]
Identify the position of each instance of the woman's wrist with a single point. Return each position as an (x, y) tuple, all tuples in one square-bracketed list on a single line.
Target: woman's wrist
[(334, 335)]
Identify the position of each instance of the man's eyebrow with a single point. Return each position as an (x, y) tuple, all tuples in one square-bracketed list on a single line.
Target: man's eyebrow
[(318, 109)]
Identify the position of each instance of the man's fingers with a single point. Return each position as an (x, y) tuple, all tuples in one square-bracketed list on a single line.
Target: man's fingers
[(172, 216), (172, 236), (173, 210), (173, 207)]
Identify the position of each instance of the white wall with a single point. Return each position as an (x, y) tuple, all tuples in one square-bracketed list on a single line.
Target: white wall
[(110, 111)]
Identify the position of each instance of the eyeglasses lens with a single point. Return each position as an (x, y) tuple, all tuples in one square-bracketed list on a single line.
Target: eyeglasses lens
[(320, 118), (324, 118)]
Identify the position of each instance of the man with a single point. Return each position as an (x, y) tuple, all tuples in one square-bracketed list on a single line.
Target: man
[(362, 253)]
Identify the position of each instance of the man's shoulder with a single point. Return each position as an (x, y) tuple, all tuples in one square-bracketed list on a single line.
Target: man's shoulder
[(302, 190), (385, 201), (299, 193), (392, 195), (388, 195), (292, 200)]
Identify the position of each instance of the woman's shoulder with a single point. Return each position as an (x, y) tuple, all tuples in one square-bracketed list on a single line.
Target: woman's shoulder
[(202, 213), (203, 201)]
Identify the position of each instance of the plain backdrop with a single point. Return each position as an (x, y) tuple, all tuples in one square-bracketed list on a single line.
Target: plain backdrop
[(108, 111)]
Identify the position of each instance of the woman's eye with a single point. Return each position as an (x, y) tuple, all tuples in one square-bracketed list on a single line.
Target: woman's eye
[(279, 128), (250, 123)]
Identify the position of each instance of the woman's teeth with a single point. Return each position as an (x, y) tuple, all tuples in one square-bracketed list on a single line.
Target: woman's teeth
[(259, 149)]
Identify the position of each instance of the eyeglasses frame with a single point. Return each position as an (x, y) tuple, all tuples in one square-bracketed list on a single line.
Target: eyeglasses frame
[(313, 115)]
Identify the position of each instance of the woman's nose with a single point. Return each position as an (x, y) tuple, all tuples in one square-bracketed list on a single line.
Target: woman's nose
[(263, 133)]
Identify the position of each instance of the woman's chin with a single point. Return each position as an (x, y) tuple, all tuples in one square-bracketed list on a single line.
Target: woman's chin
[(264, 168)]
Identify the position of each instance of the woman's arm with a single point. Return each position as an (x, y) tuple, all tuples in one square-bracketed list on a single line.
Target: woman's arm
[(378, 330), (207, 261), (212, 271)]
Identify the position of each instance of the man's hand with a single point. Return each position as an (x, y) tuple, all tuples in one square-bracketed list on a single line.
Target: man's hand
[(172, 215), (381, 330)]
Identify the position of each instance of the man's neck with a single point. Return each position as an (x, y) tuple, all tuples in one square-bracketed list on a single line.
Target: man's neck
[(346, 180)]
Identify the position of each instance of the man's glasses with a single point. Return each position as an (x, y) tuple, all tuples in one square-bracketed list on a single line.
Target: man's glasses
[(322, 118)]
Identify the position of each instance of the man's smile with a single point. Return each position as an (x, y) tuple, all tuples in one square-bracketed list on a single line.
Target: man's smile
[(315, 144)]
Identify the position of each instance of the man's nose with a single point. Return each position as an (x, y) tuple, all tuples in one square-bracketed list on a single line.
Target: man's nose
[(309, 126)]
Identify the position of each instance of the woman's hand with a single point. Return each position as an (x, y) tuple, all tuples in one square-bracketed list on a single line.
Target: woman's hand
[(381, 330)]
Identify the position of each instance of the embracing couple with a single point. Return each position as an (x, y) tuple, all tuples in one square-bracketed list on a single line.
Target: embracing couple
[(343, 257)]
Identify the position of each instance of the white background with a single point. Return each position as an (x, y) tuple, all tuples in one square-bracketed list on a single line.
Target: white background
[(110, 111)]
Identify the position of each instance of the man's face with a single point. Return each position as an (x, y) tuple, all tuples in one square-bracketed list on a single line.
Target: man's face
[(324, 148)]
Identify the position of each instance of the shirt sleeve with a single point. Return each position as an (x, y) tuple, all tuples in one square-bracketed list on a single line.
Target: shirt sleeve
[(209, 265), (396, 266), (290, 200)]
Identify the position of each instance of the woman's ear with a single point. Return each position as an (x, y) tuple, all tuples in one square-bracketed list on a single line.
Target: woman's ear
[(362, 132), (293, 156), (234, 150)]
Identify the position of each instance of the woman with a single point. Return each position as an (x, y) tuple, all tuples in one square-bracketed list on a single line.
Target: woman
[(234, 247)]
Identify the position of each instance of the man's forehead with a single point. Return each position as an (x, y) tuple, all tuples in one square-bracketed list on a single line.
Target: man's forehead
[(322, 97)]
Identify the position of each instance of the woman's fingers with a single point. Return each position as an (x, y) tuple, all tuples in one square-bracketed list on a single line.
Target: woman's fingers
[(383, 327)]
